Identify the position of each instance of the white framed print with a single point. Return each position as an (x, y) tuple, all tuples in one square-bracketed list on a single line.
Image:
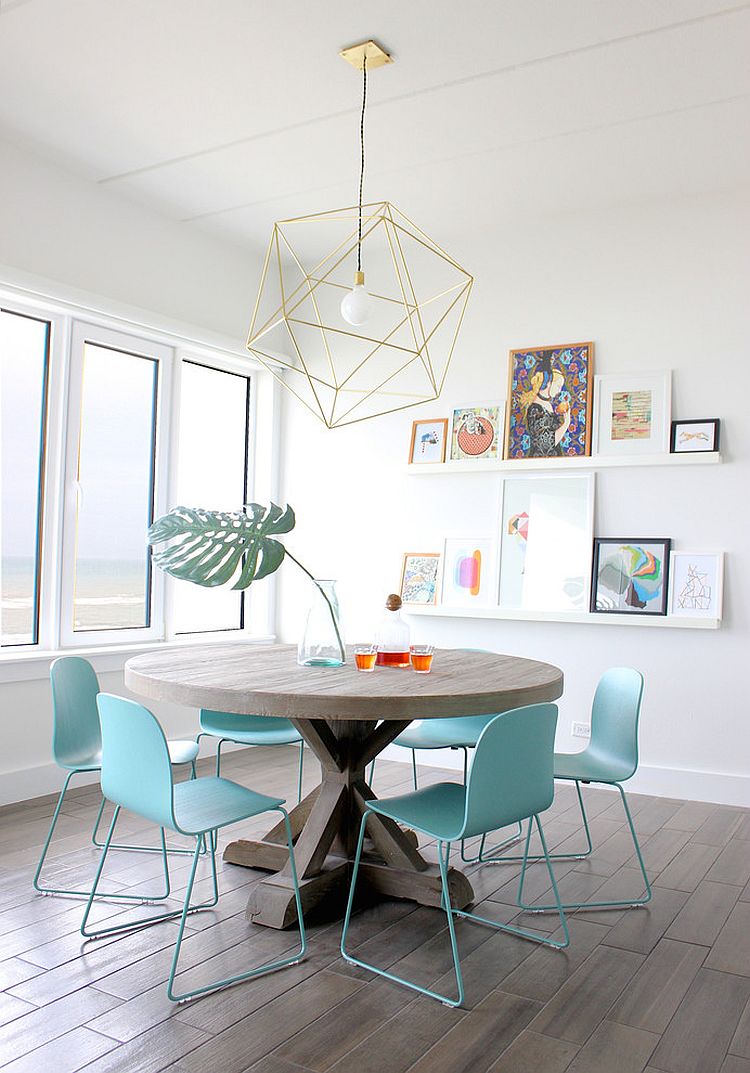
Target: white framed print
[(546, 542), (696, 584), (469, 572), (632, 413)]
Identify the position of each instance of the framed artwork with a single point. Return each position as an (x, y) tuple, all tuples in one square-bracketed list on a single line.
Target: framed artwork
[(696, 584), (469, 572), (546, 531), (630, 576), (476, 431), (428, 441), (632, 413), (691, 436), (419, 577), (549, 402)]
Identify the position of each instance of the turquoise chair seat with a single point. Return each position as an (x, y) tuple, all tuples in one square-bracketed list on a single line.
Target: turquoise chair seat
[(437, 811), (444, 733), (251, 730), (209, 803), (137, 775), (588, 767), (180, 752), (510, 780)]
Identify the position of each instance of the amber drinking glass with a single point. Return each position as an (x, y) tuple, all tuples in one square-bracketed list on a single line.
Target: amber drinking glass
[(421, 658), (364, 657)]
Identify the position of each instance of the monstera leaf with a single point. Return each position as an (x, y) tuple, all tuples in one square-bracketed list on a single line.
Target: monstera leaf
[(209, 547)]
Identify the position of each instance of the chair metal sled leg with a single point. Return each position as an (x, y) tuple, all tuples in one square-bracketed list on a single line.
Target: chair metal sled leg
[(495, 856), (445, 898), (621, 903), (187, 909), (86, 893)]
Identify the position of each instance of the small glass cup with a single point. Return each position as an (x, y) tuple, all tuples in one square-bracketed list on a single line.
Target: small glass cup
[(421, 657), (364, 657)]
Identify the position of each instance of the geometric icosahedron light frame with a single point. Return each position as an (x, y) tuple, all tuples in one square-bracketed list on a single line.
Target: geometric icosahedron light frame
[(400, 357)]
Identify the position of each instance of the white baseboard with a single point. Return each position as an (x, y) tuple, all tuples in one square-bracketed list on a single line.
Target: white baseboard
[(682, 783), (27, 783), (713, 786)]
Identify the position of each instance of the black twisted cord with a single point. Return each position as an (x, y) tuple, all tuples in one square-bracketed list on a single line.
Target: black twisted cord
[(362, 160)]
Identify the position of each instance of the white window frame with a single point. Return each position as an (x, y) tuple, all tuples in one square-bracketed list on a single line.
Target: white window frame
[(70, 322), (163, 356)]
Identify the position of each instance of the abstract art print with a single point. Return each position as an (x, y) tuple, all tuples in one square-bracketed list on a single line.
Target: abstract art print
[(475, 432), (549, 402), (545, 542), (428, 441), (419, 577), (689, 437), (632, 413), (630, 576), (696, 585), (469, 572)]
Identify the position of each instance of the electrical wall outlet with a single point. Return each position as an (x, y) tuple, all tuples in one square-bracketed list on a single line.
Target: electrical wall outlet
[(581, 730)]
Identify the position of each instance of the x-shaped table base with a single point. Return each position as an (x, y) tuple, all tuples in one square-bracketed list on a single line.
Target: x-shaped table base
[(325, 826)]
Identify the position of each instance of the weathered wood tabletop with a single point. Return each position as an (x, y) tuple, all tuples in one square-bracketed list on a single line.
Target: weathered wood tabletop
[(347, 718)]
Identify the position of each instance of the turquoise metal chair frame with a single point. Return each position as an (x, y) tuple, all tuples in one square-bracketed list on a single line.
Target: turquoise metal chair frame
[(76, 745), (610, 759), (250, 730), (132, 738), (514, 753)]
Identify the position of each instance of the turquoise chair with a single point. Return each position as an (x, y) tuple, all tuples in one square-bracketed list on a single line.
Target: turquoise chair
[(510, 780), (137, 775), (77, 748), (250, 730), (610, 758)]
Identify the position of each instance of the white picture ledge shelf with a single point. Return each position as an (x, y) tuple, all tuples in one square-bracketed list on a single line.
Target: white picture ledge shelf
[(589, 617), (526, 465)]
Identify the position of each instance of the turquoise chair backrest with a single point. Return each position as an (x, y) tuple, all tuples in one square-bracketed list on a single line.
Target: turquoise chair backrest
[(511, 776), (76, 736), (136, 770), (614, 719)]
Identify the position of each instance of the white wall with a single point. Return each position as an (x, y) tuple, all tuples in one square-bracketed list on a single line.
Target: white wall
[(56, 225), (81, 241), (656, 286)]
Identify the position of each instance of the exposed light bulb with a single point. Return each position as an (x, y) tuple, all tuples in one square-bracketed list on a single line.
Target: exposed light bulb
[(356, 304)]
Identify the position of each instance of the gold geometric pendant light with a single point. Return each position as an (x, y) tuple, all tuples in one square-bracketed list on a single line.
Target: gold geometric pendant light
[(350, 350)]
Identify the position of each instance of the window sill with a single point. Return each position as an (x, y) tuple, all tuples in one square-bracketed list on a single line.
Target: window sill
[(34, 664)]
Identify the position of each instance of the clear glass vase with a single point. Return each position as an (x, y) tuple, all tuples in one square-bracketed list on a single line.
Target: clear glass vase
[(322, 643)]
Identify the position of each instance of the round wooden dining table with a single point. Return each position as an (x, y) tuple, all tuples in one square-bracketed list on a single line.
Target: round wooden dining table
[(347, 718)]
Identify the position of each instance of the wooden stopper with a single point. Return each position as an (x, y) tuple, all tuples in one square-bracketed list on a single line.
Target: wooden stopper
[(393, 602)]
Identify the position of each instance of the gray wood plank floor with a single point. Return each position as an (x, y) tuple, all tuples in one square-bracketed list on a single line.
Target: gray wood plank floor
[(665, 988)]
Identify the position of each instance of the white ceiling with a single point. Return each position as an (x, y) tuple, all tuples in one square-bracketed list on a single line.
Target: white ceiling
[(228, 114)]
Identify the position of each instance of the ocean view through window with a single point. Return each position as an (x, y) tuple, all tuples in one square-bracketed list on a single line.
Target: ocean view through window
[(105, 424), (24, 359)]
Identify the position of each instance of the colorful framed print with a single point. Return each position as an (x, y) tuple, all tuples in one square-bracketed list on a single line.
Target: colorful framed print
[(632, 413), (546, 532), (469, 572), (476, 432), (689, 437), (419, 577), (429, 440), (630, 576), (549, 402), (696, 584)]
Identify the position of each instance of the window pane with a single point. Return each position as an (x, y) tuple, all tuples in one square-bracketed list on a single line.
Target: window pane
[(212, 473), (116, 478), (24, 349)]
